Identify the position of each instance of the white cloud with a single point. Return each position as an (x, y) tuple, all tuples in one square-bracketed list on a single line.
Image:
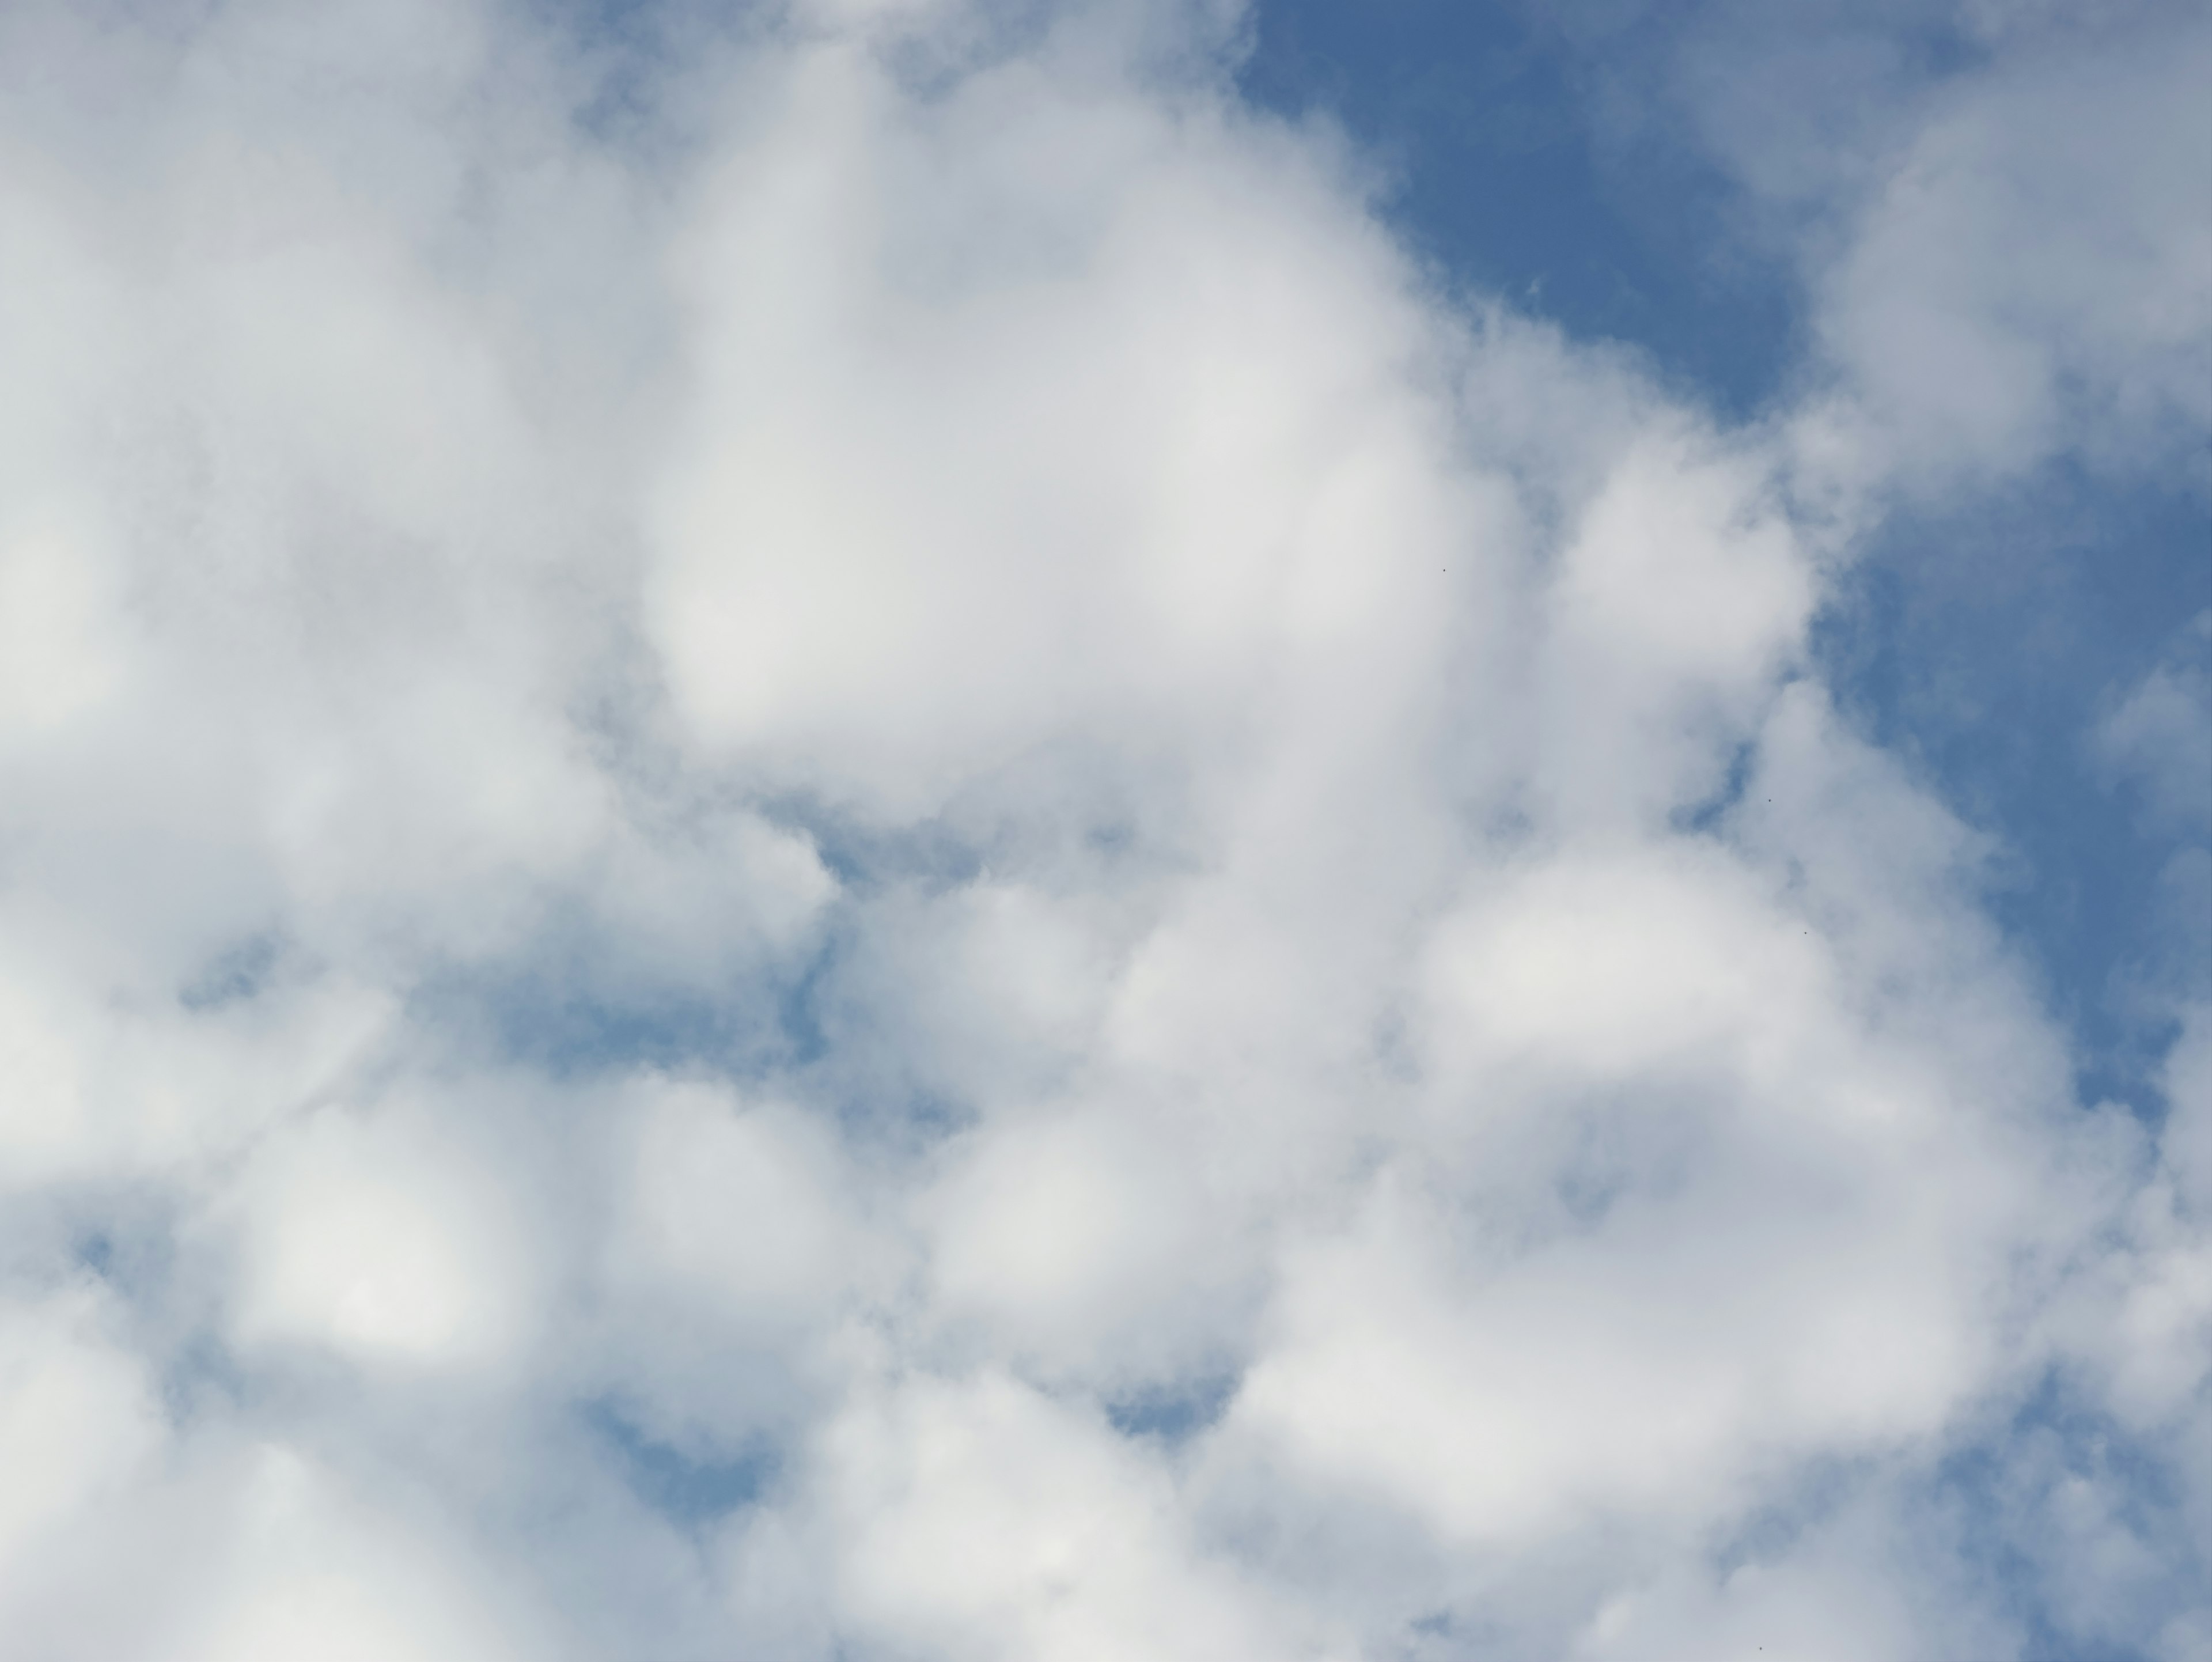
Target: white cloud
[(304, 1568), (2032, 277), (77, 1417), (905, 867), (1994, 211), (986, 1521), (377, 1239)]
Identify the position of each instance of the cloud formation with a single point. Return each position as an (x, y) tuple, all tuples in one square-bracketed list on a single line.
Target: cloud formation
[(842, 843)]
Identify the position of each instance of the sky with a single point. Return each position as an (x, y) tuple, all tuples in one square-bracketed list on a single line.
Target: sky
[(929, 831)]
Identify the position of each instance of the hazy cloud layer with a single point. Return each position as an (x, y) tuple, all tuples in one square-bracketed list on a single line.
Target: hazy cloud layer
[(823, 838)]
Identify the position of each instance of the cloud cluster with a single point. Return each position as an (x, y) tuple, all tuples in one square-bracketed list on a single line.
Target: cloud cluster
[(838, 844), (1994, 207)]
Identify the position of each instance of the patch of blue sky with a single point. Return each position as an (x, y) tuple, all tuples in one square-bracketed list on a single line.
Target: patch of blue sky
[(865, 858), (551, 1010), (1985, 646), (118, 1233), (240, 971), (2007, 1500), (789, 1030), (572, 1031), (688, 1488), (628, 48), (95, 1251), (1500, 172), (1173, 1413), (1528, 159)]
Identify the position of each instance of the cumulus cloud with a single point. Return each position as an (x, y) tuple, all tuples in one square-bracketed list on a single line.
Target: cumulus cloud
[(844, 845), (1994, 212), (2030, 277)]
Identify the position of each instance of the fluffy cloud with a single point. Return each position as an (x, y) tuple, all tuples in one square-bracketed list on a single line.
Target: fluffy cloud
[(1994, 210), (878, 861), (2032, 277)]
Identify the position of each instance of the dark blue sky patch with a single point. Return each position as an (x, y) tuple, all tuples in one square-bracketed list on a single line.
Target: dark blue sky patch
[(237, 973), (866, 858), (1173, 1413), (898, 1124), (572, 1004), (570, 1032), (688, 1488), (124, 1235), (95, 1251), (1704, 818), (799, 1009), (1483, 118), (1983, 647), (2004, 1500), (633, 53), (1456, 1636)]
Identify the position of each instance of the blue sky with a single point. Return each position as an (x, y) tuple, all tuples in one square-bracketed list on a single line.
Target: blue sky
[(922, 829), (1524, 156), (1504, 170)]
